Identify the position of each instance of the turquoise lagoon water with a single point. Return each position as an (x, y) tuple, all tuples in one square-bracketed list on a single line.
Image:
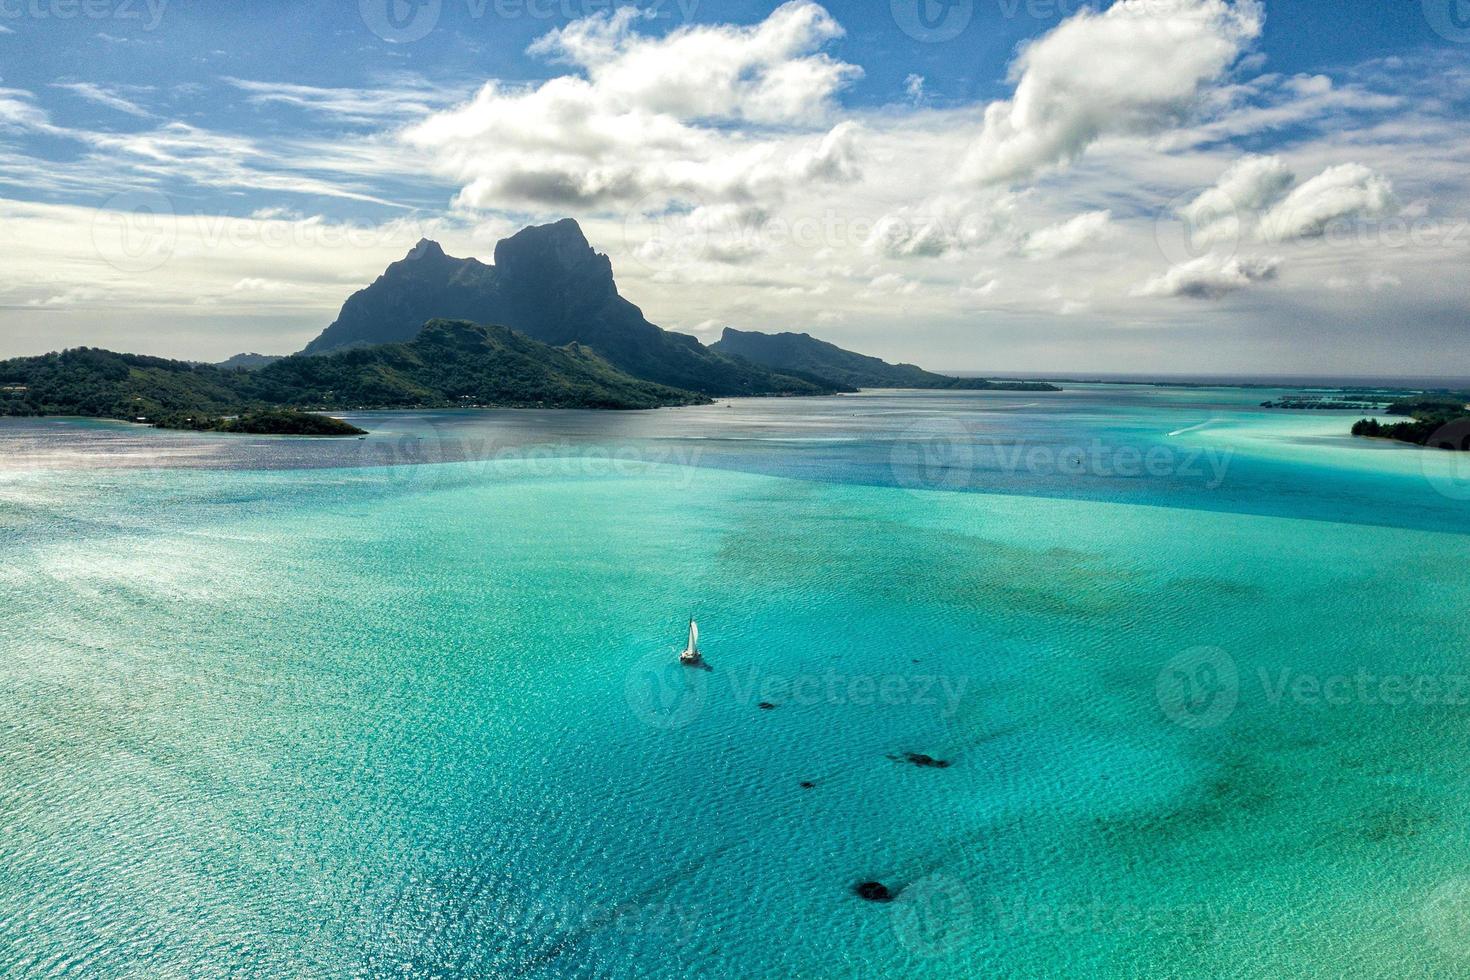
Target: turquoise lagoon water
[(402, 706)]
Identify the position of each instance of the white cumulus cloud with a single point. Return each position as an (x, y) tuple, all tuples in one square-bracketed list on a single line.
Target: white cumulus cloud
[(703, 114), (1349, 190), (1250, 186), (1259, 197), (1070, 236), (1210, 277), (1137, 68)]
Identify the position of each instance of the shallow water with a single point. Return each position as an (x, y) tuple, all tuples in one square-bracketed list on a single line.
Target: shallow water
[(274, 707)]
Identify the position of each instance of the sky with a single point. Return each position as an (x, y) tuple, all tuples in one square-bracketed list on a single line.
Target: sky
[(1166, 186)]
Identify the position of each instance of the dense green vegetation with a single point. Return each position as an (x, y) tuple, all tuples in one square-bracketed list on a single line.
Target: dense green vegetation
[(1429, 414), (273, 422), (248, 362), (1450, 403), (803, 355), (102, 384), (455, 363), (450, 364), (1431, 422)]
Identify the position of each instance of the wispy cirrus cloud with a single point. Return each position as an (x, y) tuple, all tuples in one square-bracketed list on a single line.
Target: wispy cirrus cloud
[(406, 99), (103, 97)]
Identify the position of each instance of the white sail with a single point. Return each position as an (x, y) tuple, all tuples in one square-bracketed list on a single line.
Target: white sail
[(691, 655)]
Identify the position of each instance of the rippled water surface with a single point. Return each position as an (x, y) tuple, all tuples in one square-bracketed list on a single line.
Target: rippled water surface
[(403, 705)]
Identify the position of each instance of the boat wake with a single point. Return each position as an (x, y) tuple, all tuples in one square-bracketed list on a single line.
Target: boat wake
[(1192, 428)]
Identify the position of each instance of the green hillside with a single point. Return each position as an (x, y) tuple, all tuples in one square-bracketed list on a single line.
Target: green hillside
[(449, 364), (806, 356)]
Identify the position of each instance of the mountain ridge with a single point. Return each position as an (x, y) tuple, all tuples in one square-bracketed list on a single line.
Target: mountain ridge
[(811, 357), (548, 283), (249, 361)]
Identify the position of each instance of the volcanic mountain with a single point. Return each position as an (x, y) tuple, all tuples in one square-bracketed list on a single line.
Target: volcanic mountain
[(548, 283)]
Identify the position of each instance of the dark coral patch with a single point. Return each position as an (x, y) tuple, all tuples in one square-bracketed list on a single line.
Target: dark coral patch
[(873, 891)]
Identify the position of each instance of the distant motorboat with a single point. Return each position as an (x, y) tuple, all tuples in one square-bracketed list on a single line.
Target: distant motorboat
[(691, 656)]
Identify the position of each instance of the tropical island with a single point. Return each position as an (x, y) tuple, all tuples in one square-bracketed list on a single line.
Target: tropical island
[(543, 327), (1428, 424), (450, 364), (1426, 414), (275, 422)]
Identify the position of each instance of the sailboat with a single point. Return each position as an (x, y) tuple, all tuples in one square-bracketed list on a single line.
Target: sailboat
[(690, 657)]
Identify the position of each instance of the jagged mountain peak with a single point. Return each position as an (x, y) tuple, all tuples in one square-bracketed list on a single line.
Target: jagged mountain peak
[(426, 251), (559, 250), (550, 284), (426, 248)]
